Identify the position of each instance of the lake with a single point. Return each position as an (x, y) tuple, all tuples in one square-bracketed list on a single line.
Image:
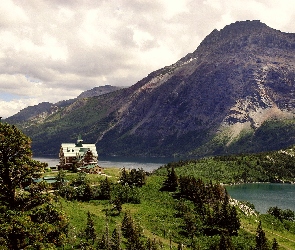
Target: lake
[(146, 163), (262, 195), (265, 195)]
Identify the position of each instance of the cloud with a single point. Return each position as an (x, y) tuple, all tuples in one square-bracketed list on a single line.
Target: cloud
[(52, 50)]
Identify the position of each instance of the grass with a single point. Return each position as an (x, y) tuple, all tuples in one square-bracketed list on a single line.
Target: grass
[(156, 216), (156, 212)]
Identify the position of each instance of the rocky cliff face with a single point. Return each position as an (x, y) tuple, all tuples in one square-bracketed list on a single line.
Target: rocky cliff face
[(236, 80)]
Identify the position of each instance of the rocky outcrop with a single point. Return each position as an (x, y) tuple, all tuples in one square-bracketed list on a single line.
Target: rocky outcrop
[(97, 91)]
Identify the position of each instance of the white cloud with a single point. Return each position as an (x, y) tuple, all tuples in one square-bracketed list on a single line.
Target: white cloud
[(53, 50), (13, 106), (11, 14)]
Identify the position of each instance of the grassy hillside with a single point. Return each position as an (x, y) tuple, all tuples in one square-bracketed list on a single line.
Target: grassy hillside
[(166, 219)]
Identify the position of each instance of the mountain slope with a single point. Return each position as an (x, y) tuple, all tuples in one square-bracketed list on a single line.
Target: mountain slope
[(97, 91), (212, 101), (39, 113)]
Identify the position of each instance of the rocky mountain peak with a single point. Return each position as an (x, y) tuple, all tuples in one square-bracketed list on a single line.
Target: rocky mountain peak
[(237, 80), (244, 36)]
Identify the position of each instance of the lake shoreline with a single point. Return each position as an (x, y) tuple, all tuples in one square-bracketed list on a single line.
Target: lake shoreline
[(264, 195)]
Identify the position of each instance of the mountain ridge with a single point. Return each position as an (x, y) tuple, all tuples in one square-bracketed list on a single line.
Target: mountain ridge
[(41, 111), (208, 101)]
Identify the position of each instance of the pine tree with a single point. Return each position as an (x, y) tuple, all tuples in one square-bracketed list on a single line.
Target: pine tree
[(225, 243), (117, 205), (233, 221), (105, 242), (88, 193), (132, 233), (140, 178), (151, 244), (171, 182), (105, 189), (124, 178), (127, 227), (90, 230), (261, 240), (226, 217), (275, 245), (116, 240)]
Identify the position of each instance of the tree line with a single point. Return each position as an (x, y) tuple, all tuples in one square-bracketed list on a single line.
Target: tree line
[(205, 209)]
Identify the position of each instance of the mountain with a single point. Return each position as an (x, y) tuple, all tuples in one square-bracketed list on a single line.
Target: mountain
[(97, 91), (38, 113), (234, 93)]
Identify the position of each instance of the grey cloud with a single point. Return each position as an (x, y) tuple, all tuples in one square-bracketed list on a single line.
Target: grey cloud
[(70, 46)]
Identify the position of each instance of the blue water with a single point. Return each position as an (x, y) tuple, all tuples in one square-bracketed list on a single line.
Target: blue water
[(265, 195), (146, 163)]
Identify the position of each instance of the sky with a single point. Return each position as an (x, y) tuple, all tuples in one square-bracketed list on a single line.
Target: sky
[(52, 50)]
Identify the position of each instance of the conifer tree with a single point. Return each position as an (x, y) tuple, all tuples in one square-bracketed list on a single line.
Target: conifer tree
[(225, 243), (127, 227), (105, 189), (171, 182), (140, 179), (275, 245), (116, 240), (88, 193), (181, 207), (90, 230), (117, 205), (105, 242), (233, 221), (151, 244), (124, 177), (132, 233), (226, 217), (261, 240)]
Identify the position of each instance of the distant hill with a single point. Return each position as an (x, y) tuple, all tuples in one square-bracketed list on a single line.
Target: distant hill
[(234, 93), (38, 113)]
